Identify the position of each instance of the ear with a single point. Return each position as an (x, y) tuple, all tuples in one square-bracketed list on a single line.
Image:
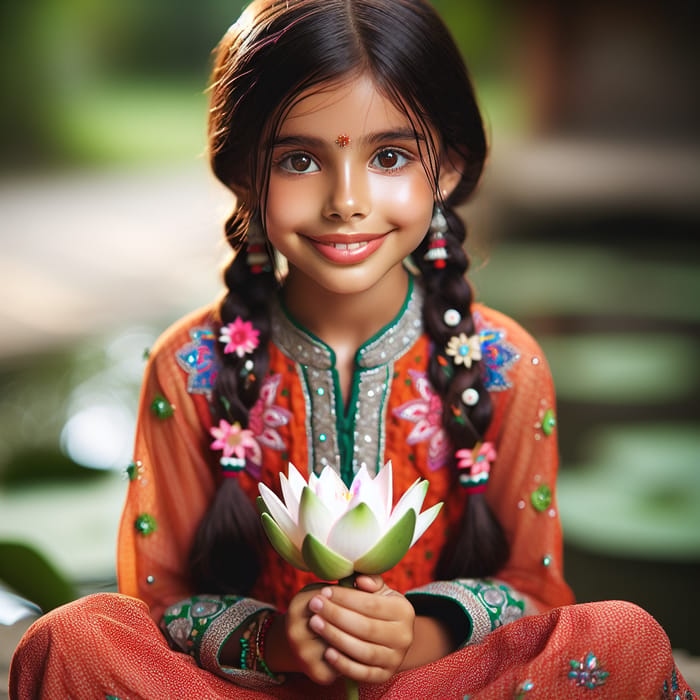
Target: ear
[(451, 169)]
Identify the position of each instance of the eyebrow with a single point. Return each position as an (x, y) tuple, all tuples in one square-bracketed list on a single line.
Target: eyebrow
[(369, 139)]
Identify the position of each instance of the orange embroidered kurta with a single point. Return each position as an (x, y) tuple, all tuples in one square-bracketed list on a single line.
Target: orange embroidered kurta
[(398, 418), (525, 637)]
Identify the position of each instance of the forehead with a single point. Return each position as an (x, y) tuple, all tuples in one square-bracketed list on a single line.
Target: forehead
[(354, 106)]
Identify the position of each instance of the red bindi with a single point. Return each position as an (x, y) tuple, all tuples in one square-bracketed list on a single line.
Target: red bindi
[(343, 140)]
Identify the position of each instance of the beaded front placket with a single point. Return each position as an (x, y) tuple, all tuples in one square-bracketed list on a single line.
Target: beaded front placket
[(348, 439)]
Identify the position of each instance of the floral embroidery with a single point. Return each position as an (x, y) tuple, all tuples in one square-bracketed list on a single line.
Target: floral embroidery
[(266, 417), (187, 621), (497, 357), (499, 600), (426, 413), (672, 691), (198, 359), (237, 445), (239, 337), (586, 672)]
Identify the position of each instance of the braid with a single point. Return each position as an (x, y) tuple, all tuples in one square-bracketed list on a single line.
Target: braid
[(225, 554), (479, 547)]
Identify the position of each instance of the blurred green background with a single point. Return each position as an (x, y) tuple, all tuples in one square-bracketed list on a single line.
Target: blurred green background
[(585, 230)]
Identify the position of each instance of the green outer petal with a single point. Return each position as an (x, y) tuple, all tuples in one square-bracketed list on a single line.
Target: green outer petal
[(262, 507), (391, 548), (314, 516), (355, 533), (323, 561), (281, 543)]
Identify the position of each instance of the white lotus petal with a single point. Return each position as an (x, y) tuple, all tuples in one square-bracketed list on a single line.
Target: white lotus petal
[(313, 482), (279, 513), (332, 491), (365, 489), (384, 482), (292, 487), (296, 481), (425, 520), (288, 498), (355, 533), (314, 516), (413, 498)]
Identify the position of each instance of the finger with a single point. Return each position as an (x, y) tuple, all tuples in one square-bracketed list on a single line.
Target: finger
[(392, 630), (355, 670), (370, 584), (387, 607), (359, 649)]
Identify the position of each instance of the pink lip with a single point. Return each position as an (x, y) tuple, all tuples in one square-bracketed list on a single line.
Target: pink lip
[(348, 256)]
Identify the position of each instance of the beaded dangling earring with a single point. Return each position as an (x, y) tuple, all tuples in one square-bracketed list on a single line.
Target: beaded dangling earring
[(437, 245), (256, 253)]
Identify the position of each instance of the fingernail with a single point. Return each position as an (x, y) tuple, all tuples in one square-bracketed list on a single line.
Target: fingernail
[(327, 592), (316, 624), (316, 604)]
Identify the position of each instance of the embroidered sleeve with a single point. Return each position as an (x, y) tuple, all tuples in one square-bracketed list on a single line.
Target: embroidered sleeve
[(471, 608), (201, 625), (522, 485)]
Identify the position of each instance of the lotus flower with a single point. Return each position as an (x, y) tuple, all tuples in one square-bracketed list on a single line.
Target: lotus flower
[(335, 531)]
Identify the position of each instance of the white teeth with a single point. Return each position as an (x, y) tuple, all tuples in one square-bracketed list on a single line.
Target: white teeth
[(348, 246)]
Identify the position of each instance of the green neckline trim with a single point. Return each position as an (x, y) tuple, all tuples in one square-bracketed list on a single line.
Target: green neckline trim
[(373, 339)]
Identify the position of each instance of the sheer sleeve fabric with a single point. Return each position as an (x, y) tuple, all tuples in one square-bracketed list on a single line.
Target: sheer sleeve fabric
[(171, 481), (521, 492)]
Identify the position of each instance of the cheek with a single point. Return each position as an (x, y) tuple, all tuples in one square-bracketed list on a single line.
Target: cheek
[(285, 208), (408, 199)]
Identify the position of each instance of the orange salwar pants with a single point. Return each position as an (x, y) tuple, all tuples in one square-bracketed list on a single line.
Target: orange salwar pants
[(106, 646)]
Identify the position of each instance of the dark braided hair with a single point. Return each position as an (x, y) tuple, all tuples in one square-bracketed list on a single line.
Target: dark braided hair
[(275, 52), (479, 547), (230, 532)]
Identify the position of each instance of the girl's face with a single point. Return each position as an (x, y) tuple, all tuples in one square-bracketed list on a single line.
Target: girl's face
[(348, 196)]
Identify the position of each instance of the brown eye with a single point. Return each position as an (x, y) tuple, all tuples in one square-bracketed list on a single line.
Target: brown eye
[(390, 159), (300, 162)]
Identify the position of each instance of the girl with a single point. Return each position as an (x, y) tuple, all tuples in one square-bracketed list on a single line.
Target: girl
[(348, 132)]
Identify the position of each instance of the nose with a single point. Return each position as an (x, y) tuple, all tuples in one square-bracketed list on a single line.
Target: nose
[(348, 196)]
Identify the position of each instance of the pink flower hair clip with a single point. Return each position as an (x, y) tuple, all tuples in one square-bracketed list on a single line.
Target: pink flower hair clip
[(239, 337), (236, 444), (474, 466)]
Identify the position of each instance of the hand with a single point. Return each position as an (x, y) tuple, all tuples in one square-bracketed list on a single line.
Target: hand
[(368, 629), (292, 646)]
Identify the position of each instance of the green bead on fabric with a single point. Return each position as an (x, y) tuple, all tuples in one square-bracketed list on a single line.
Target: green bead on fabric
[(162, 408), (549, 422), (541, 498), (145, 524), (132, 471)]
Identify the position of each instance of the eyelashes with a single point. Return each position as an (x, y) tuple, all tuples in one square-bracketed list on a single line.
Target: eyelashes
[(388, 160)]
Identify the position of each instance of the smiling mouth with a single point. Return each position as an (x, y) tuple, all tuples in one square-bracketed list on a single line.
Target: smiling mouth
[(347, 246), (346, 250)]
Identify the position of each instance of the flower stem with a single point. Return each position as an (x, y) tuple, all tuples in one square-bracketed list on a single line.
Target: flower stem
[(352, 692)]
